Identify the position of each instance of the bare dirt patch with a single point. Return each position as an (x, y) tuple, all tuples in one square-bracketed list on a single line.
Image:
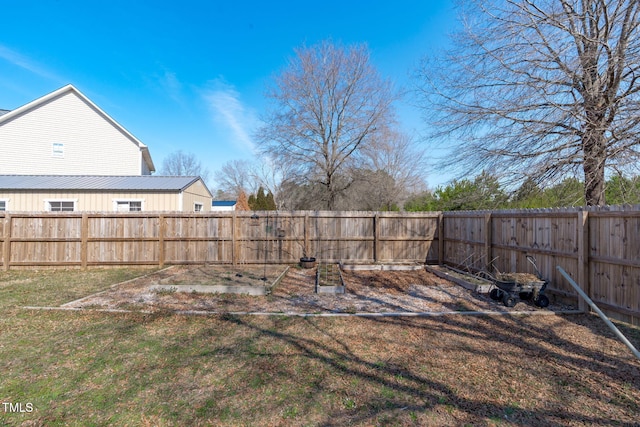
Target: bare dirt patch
[(366, 291), (216, 276)]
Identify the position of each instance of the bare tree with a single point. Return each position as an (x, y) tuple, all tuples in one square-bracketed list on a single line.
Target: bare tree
[(179, 163), (327, 104), (242, 175), (235, 176), (540, 89), (396, 154), (272, 175), (372, 190)]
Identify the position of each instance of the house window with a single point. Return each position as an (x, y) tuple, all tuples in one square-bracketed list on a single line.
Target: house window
[(128, 205), (3, 205), (61, 206), (57, 149), (197, 207)]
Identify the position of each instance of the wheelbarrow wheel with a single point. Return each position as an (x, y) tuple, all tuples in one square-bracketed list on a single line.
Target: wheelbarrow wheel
[(542, 301), (495, 294), (509, 300)]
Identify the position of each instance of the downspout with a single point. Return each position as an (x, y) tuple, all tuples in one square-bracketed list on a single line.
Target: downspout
[(600, 313)]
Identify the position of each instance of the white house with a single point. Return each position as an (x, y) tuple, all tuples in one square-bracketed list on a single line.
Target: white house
[(223, 205), (64, 133)]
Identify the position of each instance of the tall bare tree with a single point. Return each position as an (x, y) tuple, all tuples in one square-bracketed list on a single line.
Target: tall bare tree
[(180, 163), (235, 176), (396, 154), (327, 104), (541, 88)]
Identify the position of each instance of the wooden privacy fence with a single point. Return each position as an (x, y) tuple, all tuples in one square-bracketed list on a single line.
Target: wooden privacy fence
[(600, 249), (142, 238)]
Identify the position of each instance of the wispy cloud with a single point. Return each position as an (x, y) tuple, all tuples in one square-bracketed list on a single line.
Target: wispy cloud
[(228, 109), (19, 60), (172, 86)]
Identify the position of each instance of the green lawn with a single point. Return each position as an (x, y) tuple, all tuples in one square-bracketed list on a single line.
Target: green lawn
[(129, 369)]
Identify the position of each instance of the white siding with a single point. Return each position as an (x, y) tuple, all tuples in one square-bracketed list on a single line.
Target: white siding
[(92, 144), (145, 167), (223, 208)]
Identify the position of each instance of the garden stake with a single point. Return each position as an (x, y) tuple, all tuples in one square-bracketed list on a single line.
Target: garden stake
[(600, 313)]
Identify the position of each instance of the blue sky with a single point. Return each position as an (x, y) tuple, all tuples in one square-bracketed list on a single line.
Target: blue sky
[(191, 75)]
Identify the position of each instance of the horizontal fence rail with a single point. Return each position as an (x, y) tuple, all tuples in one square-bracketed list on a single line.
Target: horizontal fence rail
[(599, 249)]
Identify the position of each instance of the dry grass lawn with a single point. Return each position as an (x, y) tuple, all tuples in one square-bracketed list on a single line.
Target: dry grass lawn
[(162, 369)]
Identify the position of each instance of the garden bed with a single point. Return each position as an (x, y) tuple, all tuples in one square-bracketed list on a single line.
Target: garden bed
[(329, 279), (248, 281), (381, 266), (468, 281), (416, 291)]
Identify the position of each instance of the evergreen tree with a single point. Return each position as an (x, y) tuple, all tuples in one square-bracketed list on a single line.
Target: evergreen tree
[(620, 190), (270, 204), (261, 200), (424, 201)]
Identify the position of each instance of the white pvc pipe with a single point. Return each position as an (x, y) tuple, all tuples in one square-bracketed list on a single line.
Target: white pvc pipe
[(331, 314), (600, 313)]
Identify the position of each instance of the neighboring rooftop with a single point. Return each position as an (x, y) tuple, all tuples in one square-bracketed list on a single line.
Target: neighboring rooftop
[(221, 203), (96, 182), (3, 112)]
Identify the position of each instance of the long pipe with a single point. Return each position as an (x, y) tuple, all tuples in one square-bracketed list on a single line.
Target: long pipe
[(600, 313)]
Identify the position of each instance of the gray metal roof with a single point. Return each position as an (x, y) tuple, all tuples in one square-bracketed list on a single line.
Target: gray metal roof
[(96, 182)]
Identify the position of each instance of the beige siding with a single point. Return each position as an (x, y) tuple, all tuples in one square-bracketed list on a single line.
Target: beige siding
[(92, 144), (90, 201), (96, 201), (196, 193)]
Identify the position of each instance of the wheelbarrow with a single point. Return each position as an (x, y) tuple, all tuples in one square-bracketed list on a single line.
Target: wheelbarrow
[(510, 287)]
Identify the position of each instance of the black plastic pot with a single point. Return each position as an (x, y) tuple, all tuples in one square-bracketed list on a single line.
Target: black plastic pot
[(307, 262)]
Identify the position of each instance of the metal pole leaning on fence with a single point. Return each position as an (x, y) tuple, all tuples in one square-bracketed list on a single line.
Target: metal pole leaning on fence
[(600, 313)]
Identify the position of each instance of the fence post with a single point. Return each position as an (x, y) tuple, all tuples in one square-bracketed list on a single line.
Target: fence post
[(337, 254), (234, 250), (583, 257), (488, 240), (376, 249), (84, 234), (6, 250), (306, 236), (440, 238), (162, 230)]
